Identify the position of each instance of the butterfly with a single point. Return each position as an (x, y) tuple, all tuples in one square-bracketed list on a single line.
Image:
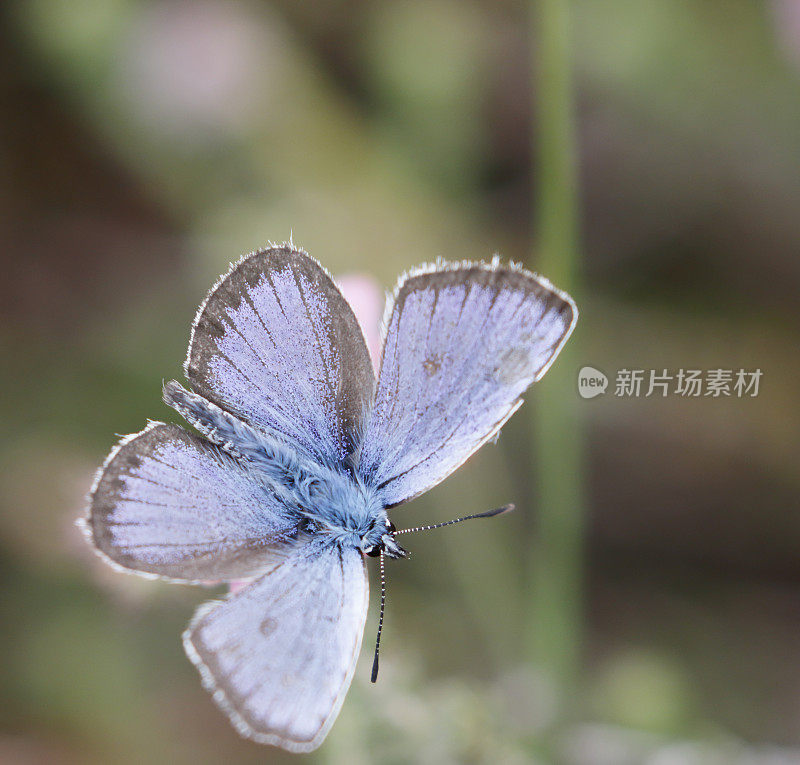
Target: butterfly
[(302, 452)]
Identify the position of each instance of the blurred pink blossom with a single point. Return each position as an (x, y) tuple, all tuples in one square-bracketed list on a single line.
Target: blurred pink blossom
[(367, 300), (238, 584), (194, 67)]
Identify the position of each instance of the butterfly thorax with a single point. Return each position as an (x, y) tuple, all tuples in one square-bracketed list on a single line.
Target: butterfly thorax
[(353, 514)]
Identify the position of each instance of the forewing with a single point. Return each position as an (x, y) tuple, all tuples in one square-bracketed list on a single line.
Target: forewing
[(279, 655), (276, 344), (462, 345), (170, 504)]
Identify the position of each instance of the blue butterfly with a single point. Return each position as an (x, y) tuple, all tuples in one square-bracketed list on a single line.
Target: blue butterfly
[(301, 455)]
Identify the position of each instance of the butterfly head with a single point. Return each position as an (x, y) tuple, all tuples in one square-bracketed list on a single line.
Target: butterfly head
[(380, 539)]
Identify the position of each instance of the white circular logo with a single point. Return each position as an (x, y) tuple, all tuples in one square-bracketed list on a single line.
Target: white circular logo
[(591, 382)]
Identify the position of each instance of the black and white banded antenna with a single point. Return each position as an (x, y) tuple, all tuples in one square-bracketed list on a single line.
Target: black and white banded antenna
[(374, 675), (487, 514)]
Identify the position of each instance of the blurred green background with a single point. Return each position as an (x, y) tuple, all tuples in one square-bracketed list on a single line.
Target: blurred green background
[(144, 145)]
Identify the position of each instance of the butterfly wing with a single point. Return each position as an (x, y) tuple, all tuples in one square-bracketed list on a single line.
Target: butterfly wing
[(462, 345), (276, 344), (279, 655), (169, 504)]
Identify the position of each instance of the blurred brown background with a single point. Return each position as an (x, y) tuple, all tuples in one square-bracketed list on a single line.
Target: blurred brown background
[(144, 145)]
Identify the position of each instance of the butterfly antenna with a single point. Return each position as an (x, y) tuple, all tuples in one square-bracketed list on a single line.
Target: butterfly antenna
[(487, 514), (374, 676)]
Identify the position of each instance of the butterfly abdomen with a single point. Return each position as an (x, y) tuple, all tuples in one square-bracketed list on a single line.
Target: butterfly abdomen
[(238, 438)]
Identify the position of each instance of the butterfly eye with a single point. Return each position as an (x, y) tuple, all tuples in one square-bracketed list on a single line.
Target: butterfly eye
[(390, 526), (373, 551)]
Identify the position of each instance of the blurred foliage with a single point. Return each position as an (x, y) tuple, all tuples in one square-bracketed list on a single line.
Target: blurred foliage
[(146, 144)]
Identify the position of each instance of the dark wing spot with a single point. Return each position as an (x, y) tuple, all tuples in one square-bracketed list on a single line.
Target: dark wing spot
[(268, 626), (432, 365)]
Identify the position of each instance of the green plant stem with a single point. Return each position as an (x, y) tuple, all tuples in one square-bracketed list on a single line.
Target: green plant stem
[(556, 571)]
